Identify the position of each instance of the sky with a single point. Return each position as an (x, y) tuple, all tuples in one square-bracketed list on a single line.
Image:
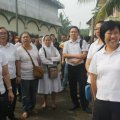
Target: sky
[(78, 13)]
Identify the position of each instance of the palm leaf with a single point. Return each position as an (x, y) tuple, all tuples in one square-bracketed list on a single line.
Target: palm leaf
[(85, 1), (107, 9)]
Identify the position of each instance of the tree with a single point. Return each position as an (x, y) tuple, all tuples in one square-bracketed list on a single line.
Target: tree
[(106, 10), (64, 29)]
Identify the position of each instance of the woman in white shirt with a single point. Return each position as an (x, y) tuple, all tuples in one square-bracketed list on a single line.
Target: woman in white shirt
[(94, 47), (29, 83), (105, 74), (4, 78), (47, 85), (10, 51)]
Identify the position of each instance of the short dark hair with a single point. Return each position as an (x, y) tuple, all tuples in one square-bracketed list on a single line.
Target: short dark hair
[(24, 33), (107, 25), (75, 28)]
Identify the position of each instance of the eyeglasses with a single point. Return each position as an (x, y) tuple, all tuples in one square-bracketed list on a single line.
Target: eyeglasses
[(3, 33)]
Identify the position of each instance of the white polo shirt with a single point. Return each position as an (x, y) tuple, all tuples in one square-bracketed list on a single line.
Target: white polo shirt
[(71, 47), (3, 61), (10, 51), (107, 68), (94, 47)]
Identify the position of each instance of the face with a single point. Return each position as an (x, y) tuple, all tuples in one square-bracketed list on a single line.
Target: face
[(97, 29), (53, 37), (25, 38), (112, 37), (74, 34), (47, 41), (3, 36), (63, 38)]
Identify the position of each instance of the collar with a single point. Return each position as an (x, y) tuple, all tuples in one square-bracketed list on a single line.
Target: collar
[(105, 52), (7, 45), (77, 41)]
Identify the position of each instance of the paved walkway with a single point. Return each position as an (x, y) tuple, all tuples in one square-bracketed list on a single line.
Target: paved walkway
[(61, 113)]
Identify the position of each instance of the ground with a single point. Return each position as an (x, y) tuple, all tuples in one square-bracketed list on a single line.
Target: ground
[(60, 113)]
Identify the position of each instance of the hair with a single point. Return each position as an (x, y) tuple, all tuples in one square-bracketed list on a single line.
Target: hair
[(46, 36), (24, 33), (52, 35), (107, 25), (7, 33), (75, 28), (101, 22)]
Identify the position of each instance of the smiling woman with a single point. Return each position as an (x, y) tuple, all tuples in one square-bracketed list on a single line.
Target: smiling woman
[(104, 74)]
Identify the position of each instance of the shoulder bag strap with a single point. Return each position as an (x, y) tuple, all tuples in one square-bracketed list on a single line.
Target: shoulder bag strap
[(29, 56), (45, 56), (81, 43), (45, 52), (100, 47)]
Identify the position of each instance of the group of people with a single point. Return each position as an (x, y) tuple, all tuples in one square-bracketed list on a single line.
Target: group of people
[(102, 65)]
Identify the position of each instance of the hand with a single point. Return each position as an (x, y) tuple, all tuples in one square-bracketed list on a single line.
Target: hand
[(18, 79), (62, 62), (10, 96)]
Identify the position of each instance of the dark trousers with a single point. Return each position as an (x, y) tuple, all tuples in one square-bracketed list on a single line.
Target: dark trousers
[(29, 91), (106, 110), (76, 76), (3, 106), (11, 106)]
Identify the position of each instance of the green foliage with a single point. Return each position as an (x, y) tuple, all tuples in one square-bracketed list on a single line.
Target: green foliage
[(106, 10), (84, 32), (64, 29)]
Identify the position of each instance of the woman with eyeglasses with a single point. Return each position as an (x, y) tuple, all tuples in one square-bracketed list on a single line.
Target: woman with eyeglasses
[(10, 52)]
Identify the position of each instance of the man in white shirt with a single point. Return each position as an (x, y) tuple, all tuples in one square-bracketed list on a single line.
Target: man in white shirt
[(74, 56)]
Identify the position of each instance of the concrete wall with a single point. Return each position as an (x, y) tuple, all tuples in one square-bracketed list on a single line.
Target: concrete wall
[(26, 24), (35, 16), (43, 10)]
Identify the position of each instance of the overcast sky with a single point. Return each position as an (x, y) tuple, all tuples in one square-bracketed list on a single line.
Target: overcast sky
[(78, 14)]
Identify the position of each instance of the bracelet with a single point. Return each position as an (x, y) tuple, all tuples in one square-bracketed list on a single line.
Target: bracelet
[(9, 88)]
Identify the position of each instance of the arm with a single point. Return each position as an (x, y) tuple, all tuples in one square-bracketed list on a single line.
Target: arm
[(87, 64), (57, 57), (6, 79), (18, 71), (43, 58), (78, 56), (93, 78)]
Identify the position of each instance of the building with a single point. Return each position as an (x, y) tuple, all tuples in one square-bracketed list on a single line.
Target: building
[(35, 16), (114, 16)]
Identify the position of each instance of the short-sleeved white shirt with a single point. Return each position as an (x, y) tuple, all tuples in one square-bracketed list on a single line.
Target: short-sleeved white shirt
[(107, 68), (10, 52), (94, 47), (3, 61), (26, 64), (71, 47)]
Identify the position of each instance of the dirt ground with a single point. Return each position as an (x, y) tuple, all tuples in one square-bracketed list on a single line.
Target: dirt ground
[(60, 113)]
